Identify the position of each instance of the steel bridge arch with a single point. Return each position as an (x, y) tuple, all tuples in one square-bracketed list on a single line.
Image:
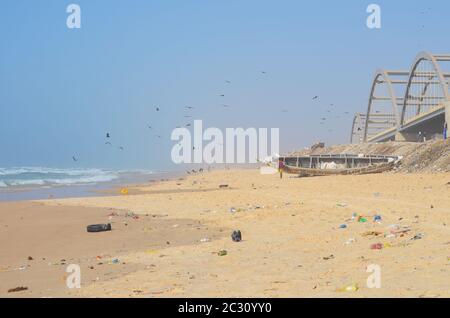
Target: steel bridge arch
[(434, 59)]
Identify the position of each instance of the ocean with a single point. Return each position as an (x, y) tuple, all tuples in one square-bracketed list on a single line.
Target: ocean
[(32, 183)]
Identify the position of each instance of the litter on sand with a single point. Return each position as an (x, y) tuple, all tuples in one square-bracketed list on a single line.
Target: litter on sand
[(223, 186), (236, 236), (377, 218), (17, 289), (362, 219), (371, 233), (349, 288), (99, 227), (350, 241), (131, 215), (418, 237), (398, 230), (124, 191), (376, 246), (222, 253)]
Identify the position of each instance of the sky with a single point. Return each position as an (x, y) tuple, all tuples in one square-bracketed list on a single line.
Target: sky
[(62, 90)]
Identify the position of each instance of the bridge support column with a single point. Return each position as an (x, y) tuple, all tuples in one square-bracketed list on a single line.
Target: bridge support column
[(447, 113), (447, 119)]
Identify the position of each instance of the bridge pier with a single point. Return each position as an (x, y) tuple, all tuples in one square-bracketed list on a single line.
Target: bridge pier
[(447, 114)]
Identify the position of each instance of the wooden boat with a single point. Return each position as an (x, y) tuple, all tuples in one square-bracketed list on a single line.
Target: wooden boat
[(311, 172)]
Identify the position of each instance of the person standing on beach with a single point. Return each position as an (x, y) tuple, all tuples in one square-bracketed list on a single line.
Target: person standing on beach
[(445, 131), (280, 168)]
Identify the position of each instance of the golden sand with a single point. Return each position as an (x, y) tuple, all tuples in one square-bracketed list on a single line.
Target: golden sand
[(292, 244)]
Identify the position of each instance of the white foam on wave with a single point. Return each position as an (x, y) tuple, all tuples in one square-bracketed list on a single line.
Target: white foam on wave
[(44, 170), (41, 176)]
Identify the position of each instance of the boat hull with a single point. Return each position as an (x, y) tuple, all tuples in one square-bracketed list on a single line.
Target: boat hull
[(308, 172)]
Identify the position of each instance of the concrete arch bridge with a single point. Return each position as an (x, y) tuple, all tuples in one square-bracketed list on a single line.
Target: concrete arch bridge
[(409, 105)]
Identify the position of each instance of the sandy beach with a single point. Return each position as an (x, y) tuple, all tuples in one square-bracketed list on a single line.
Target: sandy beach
[(166, 237)]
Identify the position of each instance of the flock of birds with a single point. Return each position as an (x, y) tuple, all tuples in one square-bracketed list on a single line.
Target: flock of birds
[(108, 135), (315, 98), (150, 127)]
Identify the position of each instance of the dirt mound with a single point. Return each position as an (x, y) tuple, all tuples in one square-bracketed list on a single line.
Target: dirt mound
[(431, 156)]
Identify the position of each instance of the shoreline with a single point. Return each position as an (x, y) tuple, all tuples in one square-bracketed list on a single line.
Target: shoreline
[(292, 245), (108, 188)]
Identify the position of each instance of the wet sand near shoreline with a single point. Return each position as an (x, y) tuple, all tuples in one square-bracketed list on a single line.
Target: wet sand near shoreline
[(292, 245), (40, 241)]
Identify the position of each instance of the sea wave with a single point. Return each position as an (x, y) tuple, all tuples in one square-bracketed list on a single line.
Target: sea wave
[(44, 170), (42, 176)]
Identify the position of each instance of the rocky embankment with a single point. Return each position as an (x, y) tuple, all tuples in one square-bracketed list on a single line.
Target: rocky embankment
[(430, 156)]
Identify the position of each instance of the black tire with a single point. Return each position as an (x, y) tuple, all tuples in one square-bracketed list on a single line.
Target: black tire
[(99, 227)]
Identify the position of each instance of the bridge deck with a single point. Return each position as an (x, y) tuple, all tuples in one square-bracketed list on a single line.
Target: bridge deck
[(414, 121)]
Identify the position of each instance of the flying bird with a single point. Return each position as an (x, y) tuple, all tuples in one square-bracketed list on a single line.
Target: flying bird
[(74, 158), (189, 107), (157, 109), (315, 97), (108, 135), (229, 82), (120, 148), (108, 143)]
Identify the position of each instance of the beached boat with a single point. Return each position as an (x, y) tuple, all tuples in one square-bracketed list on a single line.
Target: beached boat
[(310, 172)]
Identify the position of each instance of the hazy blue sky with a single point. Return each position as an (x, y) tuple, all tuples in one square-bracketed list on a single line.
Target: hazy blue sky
[(62, 89)]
